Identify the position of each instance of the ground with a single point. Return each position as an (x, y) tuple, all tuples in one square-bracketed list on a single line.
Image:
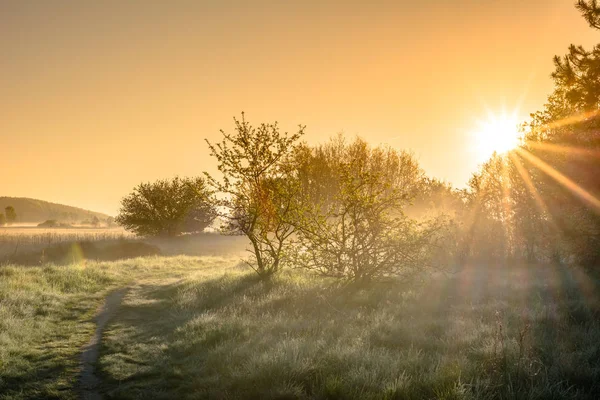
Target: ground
[(206, 328)]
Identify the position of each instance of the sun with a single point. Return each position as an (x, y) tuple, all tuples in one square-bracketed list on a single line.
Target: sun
[(499, 133)]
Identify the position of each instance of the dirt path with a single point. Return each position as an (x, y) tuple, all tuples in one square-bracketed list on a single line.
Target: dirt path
[(88, 381)]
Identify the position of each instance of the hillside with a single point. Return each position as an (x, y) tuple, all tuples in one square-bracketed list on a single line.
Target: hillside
[(33, 210)]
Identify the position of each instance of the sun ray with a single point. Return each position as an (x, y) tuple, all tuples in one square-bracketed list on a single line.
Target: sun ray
[(529, 184), (504, 183), (562, 179), (556, 148), (572, 119), (539, 201)]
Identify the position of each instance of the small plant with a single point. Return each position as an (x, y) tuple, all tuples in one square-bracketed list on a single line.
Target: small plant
[(513, 367)]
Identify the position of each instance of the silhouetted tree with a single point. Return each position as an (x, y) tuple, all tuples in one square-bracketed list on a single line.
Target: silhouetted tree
[(2, 219), (542, 200), (259, 188), (590, 9), (11, 215), (563, 146), (168, 207)]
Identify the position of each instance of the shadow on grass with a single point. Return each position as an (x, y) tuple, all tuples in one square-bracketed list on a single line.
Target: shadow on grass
[(475, 335), (47, 382), (48, 370)]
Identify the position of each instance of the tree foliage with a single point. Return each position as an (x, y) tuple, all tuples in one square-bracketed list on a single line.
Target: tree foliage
[(168, 207), (353, 224), (2, 219), (561, 154), (259, 189), (590, 9), (542, 201), (10, 214)]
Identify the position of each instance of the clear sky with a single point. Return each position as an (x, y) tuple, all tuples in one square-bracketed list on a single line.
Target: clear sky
[(97, 96)]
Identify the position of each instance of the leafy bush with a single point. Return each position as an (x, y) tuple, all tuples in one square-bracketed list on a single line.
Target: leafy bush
[(359, 230), (168, 207)]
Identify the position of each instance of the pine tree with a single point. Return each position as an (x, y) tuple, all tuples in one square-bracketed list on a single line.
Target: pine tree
[(590, 9)]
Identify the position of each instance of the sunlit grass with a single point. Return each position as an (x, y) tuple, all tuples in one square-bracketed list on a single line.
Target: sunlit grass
[(46, 317), (25, 236), (20, 240), (205, 327), (484, 333)]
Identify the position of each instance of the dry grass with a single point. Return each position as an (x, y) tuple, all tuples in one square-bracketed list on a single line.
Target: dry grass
[(24, 240), (15, 240), (34, 235)]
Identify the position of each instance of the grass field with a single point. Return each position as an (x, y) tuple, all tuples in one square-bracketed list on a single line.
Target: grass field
[(223, 334), (21, 239), (46, 316), (206, 328)]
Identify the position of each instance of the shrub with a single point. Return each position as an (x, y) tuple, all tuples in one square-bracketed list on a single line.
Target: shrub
[(359, 231), (168, 207), (52, 223)]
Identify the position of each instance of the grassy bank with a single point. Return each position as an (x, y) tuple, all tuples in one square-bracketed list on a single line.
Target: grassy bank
[(485, 333), (46, 317)]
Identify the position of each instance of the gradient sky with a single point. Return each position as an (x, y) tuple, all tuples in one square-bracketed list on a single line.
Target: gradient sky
[(96, 96)]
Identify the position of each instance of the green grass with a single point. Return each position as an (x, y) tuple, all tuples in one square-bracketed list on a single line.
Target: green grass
[(530, 333), (46, 317), (206, 328)]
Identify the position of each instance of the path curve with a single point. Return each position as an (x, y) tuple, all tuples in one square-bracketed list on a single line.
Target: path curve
[(88, 381)]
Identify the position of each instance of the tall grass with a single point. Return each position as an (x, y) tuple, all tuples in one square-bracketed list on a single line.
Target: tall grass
[(529, 333), (36, 236), (22, 240)]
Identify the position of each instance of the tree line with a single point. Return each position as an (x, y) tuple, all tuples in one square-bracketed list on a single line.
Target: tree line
[(350, 210)]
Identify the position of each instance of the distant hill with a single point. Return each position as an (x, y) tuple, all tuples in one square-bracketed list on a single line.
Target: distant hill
[(32, 210)]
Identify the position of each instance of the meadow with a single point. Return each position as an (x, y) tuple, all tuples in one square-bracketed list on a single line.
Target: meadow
[(522, 333), (452, 253), (22, 239), (205, 327)]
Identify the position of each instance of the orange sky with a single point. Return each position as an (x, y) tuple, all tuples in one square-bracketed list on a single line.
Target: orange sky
[(98, 96)]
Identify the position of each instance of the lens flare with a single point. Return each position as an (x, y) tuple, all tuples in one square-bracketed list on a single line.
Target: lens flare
[(499, 133)]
